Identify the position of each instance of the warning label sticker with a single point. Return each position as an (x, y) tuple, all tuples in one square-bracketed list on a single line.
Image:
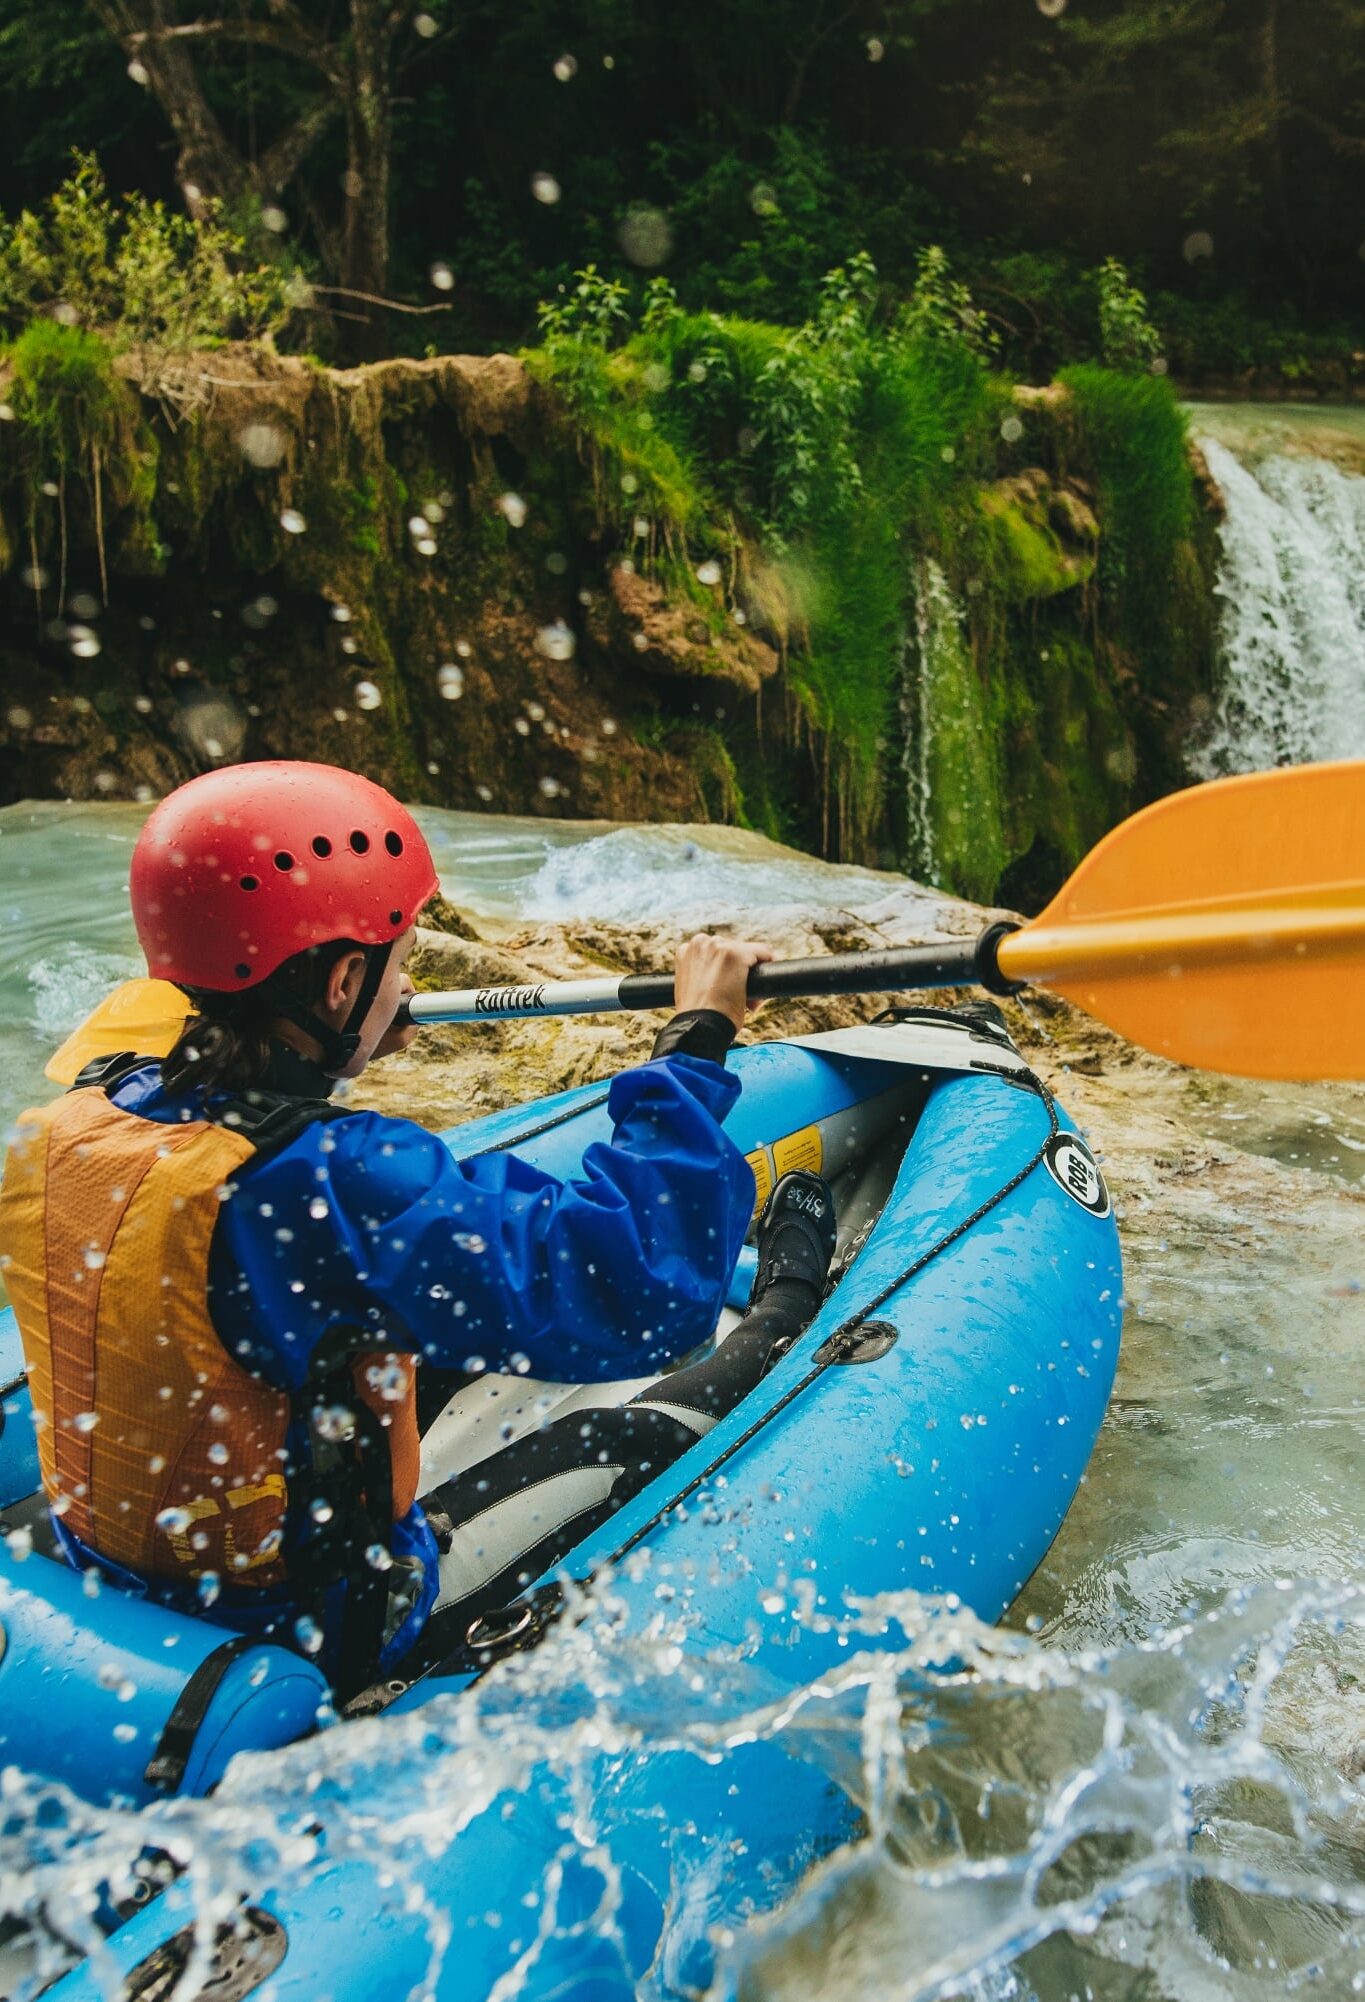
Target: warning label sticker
[(799, 1150), (763, 1176)]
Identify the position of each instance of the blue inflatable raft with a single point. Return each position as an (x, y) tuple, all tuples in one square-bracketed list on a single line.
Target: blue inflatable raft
[(925, 1435)]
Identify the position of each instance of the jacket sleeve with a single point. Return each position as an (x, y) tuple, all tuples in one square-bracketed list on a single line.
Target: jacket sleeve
[(493, 1263)]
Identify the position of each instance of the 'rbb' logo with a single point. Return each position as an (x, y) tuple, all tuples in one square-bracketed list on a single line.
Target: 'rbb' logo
[(1072, 1167)]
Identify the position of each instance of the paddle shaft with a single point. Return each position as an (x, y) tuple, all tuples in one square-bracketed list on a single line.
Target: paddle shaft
[(953, 963)]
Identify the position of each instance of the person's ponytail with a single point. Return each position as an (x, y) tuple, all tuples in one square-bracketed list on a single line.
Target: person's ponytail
[(225, 1044), (220, 1048)]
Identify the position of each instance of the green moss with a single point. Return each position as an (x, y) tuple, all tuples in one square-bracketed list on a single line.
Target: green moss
[(1131, 432), (80, 427), (1023, 553)]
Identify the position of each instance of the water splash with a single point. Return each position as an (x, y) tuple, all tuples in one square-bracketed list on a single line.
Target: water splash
[(632, 875), (67, 984), (1292, 581), (1035, 1821)]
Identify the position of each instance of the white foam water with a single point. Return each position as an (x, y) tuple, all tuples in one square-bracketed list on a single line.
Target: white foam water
[(1156, 1819), (636, 875), (1292, 582)]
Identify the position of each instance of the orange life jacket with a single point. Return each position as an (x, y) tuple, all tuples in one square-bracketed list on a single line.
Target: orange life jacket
[(158, 1449)]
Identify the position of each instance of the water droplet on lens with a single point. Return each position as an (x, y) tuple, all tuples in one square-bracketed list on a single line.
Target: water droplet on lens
[(261, 445), (645, 235)]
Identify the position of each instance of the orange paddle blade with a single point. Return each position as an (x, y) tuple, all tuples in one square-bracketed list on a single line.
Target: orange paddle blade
[(142, 1015), (1222, 927)]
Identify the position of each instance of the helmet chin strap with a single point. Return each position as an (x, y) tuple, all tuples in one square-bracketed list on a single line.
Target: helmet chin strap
[(340, 1045)]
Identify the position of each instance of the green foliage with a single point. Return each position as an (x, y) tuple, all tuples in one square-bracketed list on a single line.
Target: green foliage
[(80, 430), (137, 273), (1134, 434), (587, 316), (1225, 337), (941, 310), (64, 392), (812, 458), (1128, 340), (1029, 144)]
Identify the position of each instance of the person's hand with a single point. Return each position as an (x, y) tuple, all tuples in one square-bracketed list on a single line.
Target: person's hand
[(396, 1037), (714, 973)]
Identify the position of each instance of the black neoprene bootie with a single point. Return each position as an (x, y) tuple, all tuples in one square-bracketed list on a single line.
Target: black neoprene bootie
[(795, 1234)]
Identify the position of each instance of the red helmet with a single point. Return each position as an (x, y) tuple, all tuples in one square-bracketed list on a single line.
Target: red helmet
[(240, 869)]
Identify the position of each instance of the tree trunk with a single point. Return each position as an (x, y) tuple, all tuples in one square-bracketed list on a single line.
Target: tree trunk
[(1274, 122), (208, 166), (369, 139)]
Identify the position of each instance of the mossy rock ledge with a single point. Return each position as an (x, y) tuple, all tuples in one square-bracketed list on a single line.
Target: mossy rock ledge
[(406, 568)]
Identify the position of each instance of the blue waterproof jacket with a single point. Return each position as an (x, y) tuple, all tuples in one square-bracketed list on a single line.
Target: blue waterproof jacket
[(366, 1223)]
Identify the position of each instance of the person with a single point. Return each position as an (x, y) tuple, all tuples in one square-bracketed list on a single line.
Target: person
[(227, 1283)]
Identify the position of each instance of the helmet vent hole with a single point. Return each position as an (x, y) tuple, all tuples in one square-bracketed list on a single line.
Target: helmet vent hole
[(251, 882), (360, 841), (322, 847), (242, 972), (395, 917), (393, 842), (284, 861)]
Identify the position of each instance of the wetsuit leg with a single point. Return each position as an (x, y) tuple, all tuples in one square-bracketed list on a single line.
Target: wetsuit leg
[(512, 1515)]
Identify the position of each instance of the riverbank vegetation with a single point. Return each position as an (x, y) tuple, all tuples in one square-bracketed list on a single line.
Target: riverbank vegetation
[(845, 581), (764, 414)]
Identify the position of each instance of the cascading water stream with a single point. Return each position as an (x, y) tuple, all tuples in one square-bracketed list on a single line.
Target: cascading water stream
[(1292, 582)]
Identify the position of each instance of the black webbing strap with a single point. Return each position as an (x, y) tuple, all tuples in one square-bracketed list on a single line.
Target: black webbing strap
[(167, 1765), (353, 1479), (108, 1072)]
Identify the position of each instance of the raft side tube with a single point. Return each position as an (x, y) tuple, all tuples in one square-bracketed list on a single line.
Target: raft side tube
[(135, 1683)]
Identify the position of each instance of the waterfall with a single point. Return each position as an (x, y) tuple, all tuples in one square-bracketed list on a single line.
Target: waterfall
[(1292, 581), (932, 666), (952, 785)]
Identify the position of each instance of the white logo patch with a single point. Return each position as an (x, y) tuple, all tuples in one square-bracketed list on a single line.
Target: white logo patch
[(1072, 1167)]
